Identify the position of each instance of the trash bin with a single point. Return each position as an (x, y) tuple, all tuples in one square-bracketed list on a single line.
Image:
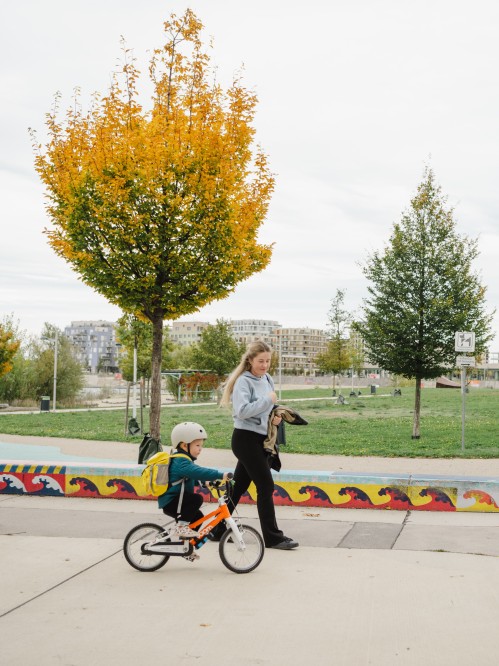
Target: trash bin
[(45, 403), (373, 389)]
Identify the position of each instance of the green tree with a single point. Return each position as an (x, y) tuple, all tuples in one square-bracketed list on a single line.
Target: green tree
[(337, 357), (217, 350), (422, 290), (69, 370), (32, 374), (158, 207), (16, 385), (130, 333), (179, 357), (356, 350)]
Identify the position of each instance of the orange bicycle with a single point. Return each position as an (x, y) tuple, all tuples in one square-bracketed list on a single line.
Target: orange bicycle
[(148, 547)]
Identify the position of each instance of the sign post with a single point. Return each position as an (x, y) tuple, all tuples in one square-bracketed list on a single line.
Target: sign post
[(465, 342)]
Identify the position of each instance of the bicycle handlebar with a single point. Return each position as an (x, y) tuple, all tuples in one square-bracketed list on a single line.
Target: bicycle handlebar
[(220, 482)]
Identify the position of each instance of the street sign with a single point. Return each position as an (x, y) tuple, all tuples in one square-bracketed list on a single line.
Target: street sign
[(465, 360), (465, 341)]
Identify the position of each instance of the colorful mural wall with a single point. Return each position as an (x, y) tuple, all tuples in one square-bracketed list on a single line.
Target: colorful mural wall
[(306, 489)]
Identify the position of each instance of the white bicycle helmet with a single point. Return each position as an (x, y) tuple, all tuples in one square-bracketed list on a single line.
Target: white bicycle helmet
[(187, 432)]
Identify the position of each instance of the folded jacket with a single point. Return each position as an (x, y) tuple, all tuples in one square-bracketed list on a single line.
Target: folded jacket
[(289, 416)]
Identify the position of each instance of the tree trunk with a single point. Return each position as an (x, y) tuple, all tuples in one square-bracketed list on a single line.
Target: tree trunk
[(157, 345), (417, 410)]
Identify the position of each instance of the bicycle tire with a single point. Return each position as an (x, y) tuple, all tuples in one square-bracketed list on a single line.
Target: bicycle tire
[(132, 547), (238, 560)]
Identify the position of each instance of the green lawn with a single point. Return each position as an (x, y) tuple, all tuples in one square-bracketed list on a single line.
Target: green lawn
[(369, 425)]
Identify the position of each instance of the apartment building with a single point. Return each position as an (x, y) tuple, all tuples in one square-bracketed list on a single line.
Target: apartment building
[(298, 348), (95, 344), (249, 330), (187, 332)]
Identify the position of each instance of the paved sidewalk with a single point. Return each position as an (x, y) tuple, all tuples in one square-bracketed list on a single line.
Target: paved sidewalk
[(312, 527), (364, 588)]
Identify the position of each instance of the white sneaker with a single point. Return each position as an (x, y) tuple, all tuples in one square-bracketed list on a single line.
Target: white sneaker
[(184, 532), (192, 558)]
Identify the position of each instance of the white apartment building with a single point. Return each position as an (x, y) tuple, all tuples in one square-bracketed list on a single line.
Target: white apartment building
[(249, 330)]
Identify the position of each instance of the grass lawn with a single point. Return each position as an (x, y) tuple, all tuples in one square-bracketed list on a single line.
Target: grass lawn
[(369, 425)]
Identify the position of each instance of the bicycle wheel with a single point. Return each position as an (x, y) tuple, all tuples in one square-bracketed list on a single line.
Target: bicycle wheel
[(242, 560), (137, 539)]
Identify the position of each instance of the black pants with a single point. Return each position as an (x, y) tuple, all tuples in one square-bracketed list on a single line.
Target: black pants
[(253, 465), (190, 509)]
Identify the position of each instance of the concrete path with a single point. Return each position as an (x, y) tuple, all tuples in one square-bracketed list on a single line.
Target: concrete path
[(364, 588)]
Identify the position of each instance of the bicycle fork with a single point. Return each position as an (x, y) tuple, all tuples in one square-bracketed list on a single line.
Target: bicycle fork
[(230, 522)]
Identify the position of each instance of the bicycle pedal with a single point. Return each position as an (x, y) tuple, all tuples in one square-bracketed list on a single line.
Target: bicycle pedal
[(192, 558)]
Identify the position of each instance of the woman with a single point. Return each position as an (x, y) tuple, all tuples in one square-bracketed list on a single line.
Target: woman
[(251, 390)]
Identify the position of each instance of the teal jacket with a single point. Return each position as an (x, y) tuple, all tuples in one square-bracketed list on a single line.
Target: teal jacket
[(183, 468)]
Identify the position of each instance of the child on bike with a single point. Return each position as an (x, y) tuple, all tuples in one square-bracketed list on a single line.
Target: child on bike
[(180, 501)]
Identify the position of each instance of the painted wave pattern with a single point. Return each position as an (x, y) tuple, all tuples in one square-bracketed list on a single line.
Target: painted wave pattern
[(51, 480)]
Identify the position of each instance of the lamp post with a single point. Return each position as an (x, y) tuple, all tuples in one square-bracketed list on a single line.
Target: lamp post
[(135, 378), (54, 390), (55, 371), (279, 332)]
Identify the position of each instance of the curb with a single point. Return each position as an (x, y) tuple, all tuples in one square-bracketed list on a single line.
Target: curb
[(293, 488)]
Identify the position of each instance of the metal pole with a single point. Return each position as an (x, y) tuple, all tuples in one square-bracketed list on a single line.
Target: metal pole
[(127, 406), (54, 397), (142, 401), (280, 364), (463, 404), (134, 413)]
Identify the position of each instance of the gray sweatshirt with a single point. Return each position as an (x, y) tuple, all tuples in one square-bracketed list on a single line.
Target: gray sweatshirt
[(251, 402)]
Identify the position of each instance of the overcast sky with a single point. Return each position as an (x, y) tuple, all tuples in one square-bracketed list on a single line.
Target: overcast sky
[(355, 98)]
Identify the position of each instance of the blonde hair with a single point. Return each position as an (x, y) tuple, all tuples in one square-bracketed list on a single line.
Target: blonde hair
[(252, 350)]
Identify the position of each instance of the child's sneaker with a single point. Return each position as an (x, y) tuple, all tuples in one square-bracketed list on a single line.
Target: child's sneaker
[(184, 532), (191, 558)]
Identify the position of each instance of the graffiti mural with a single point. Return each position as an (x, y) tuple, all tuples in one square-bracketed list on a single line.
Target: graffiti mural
[(304, 489), (40, 480)]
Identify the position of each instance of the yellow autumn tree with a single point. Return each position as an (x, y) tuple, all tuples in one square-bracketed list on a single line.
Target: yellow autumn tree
[(159, 208), (8, 348)]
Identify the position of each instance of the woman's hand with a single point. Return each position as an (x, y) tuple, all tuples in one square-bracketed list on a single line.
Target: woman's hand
[(276, 420)]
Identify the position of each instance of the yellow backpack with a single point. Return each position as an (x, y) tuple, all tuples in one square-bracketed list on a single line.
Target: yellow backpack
[(155, 475)]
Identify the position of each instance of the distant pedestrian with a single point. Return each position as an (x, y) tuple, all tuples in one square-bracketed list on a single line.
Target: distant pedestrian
[(251, 390)]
